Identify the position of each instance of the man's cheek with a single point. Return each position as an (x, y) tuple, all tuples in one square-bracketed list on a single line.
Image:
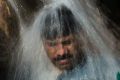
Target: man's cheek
[(50, 54)]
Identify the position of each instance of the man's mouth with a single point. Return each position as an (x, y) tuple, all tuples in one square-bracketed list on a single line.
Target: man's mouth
[(64, 59), (64, 62)]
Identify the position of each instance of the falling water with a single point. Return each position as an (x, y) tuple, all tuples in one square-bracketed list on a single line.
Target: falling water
[(99, 45)]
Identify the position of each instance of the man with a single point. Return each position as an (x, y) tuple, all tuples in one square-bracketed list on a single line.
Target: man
[(60, 41)]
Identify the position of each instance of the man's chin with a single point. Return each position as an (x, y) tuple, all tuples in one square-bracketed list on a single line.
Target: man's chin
[(64, 65)]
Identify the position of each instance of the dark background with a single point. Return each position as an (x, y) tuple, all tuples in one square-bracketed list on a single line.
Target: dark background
[(111, 9)]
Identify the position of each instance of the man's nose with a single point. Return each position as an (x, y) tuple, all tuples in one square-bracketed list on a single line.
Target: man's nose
[(60, 49)]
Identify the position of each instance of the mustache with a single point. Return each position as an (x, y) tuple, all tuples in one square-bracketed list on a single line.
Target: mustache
[(65, 56)]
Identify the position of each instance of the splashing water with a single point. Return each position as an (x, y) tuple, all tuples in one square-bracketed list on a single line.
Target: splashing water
[(99, 45)]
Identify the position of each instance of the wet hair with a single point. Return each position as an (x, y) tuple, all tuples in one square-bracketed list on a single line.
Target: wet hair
[(59, 22)]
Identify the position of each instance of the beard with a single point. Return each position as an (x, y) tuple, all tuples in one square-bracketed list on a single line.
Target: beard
[(68, 61)]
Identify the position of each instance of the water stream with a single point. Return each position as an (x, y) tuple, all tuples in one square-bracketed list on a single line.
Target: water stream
[(99, 45)]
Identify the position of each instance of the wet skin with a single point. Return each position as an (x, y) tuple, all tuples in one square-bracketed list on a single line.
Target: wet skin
[(62, 51)]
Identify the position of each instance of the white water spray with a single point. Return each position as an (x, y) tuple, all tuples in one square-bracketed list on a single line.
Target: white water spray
[(99, 45)]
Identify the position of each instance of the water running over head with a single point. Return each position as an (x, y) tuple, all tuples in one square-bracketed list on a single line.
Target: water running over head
[(69, 38)]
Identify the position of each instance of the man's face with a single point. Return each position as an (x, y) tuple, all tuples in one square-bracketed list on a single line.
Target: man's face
[(62, 51)]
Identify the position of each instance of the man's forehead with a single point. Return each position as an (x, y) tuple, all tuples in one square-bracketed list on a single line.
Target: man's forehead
[(60, 38)]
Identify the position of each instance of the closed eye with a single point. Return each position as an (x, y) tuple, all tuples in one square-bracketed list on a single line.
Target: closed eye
[(67, 42), (52, 44)]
